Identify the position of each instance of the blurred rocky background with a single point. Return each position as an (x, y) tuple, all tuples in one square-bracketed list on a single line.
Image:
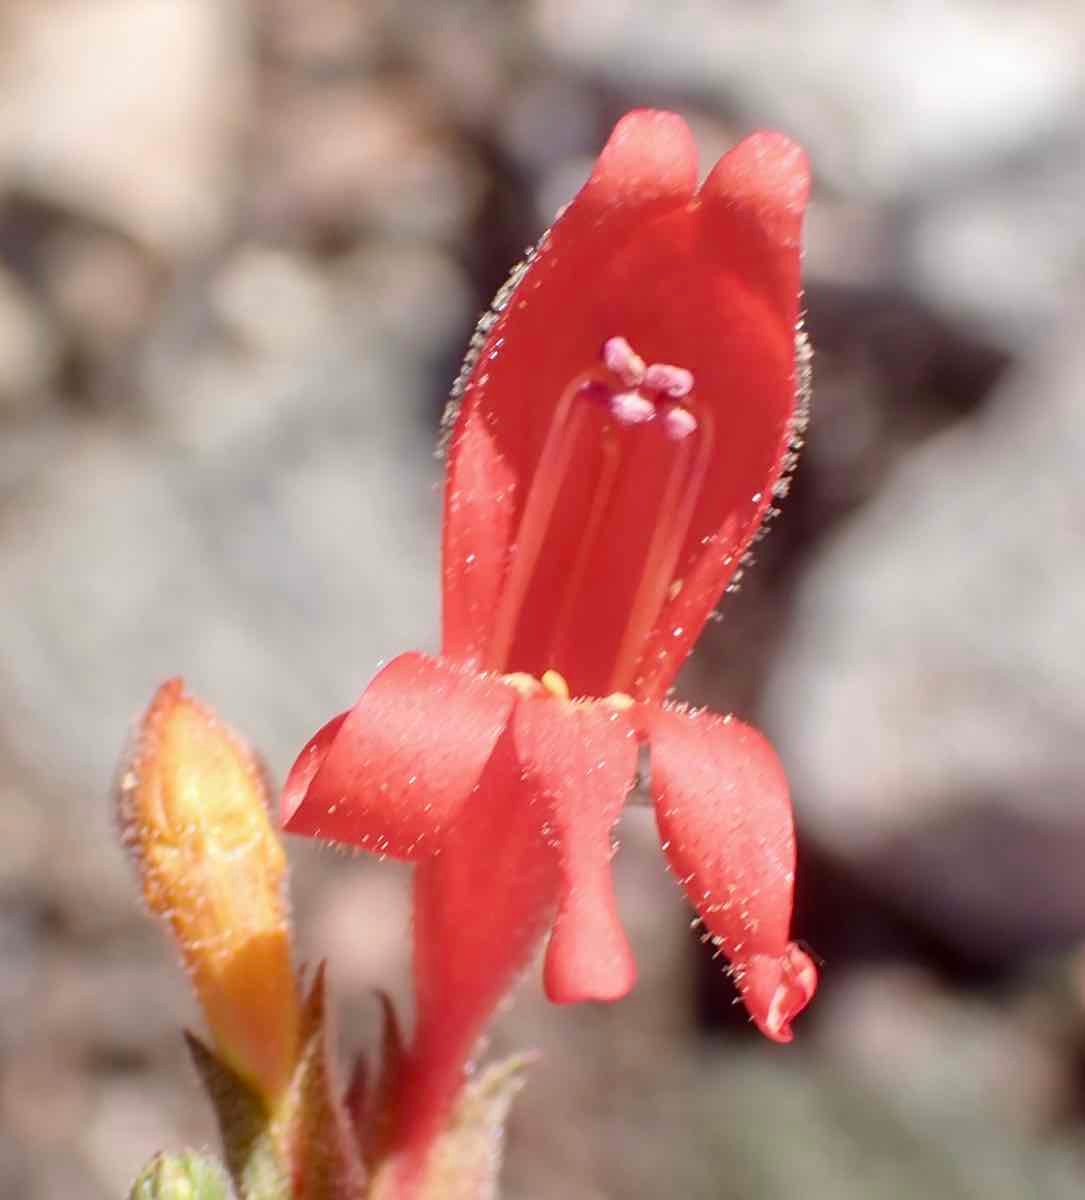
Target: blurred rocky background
[(242, 245)]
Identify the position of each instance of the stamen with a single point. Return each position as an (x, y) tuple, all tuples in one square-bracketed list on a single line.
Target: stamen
[(620, 360), (679, 423), (631, 408), (555, 684), (603, 525), (665, 380)]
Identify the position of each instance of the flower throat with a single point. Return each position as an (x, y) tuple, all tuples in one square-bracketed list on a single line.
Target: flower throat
[(602, 527)]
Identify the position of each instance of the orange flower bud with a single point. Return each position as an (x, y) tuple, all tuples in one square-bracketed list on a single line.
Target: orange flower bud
[(193, 809)]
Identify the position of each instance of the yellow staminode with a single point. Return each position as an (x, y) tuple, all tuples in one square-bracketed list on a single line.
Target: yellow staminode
[(555, 684), (193, 809)]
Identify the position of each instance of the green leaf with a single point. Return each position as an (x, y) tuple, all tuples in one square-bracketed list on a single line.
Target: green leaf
[(248, 1140), (185, 1176)]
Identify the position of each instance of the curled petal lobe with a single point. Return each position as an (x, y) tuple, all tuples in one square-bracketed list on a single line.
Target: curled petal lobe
[(304, 771), (392, 774), (724, 816), (578, 763), (776, 989)]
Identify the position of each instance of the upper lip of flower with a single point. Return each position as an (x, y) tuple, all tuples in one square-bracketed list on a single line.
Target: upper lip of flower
[(656, 272), (556, 559)]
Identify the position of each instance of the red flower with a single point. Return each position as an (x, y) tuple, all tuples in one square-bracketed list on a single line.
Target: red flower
[(626, 417)]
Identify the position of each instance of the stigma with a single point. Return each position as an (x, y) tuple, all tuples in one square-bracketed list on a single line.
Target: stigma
[(604, 522)]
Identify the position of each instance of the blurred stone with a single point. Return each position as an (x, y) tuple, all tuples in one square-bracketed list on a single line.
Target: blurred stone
[(141, 134), (132, 1119), (466, 55), (23, 956), (102, 288), (547, 122), (927, 701), (361, 925), (321, 34), (1008, 253), (23, 836), (82, 1004), (14, 1167), (245, 572), (848, 243), (340, 157), (802, 1125), (29, 349), (409, 292), (953, 1059), (272, 302), (887, 98), (44, 1098), (27, 447), (558, 186)]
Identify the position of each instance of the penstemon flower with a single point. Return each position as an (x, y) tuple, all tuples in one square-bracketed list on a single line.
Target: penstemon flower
[(625, 420), (192, 808)]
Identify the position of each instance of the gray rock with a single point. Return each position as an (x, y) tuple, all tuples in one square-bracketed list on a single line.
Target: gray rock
[(1007, 253), (930, 698), (29, 349), (889, 98), (141, 136)]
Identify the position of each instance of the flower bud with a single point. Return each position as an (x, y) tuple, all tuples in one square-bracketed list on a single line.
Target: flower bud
[(180, 1177), (193, 810)]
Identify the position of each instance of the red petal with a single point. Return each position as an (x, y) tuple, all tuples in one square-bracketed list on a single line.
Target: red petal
[(751, 207), (578, 763), (648, 165), (724, 816), (304, 770), (761, 187), (564, 307), (391, 774), (710, 285), (479, 505), (480, 907), (539, 340)]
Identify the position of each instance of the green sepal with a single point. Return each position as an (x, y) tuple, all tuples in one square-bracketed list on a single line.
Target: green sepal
[(314, 1124), (380, 1110), (466, 1161), (248, 1140), (185, 1176)]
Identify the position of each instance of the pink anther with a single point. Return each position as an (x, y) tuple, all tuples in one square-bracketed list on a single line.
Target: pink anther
[(631, 408), (679, 423), (662, 378), (620, 358)]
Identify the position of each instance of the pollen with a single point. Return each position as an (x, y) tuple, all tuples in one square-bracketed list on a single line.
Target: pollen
[(554, 683), (550, 683)]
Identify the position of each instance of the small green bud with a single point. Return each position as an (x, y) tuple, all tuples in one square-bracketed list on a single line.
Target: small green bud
[(184, 1176)]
